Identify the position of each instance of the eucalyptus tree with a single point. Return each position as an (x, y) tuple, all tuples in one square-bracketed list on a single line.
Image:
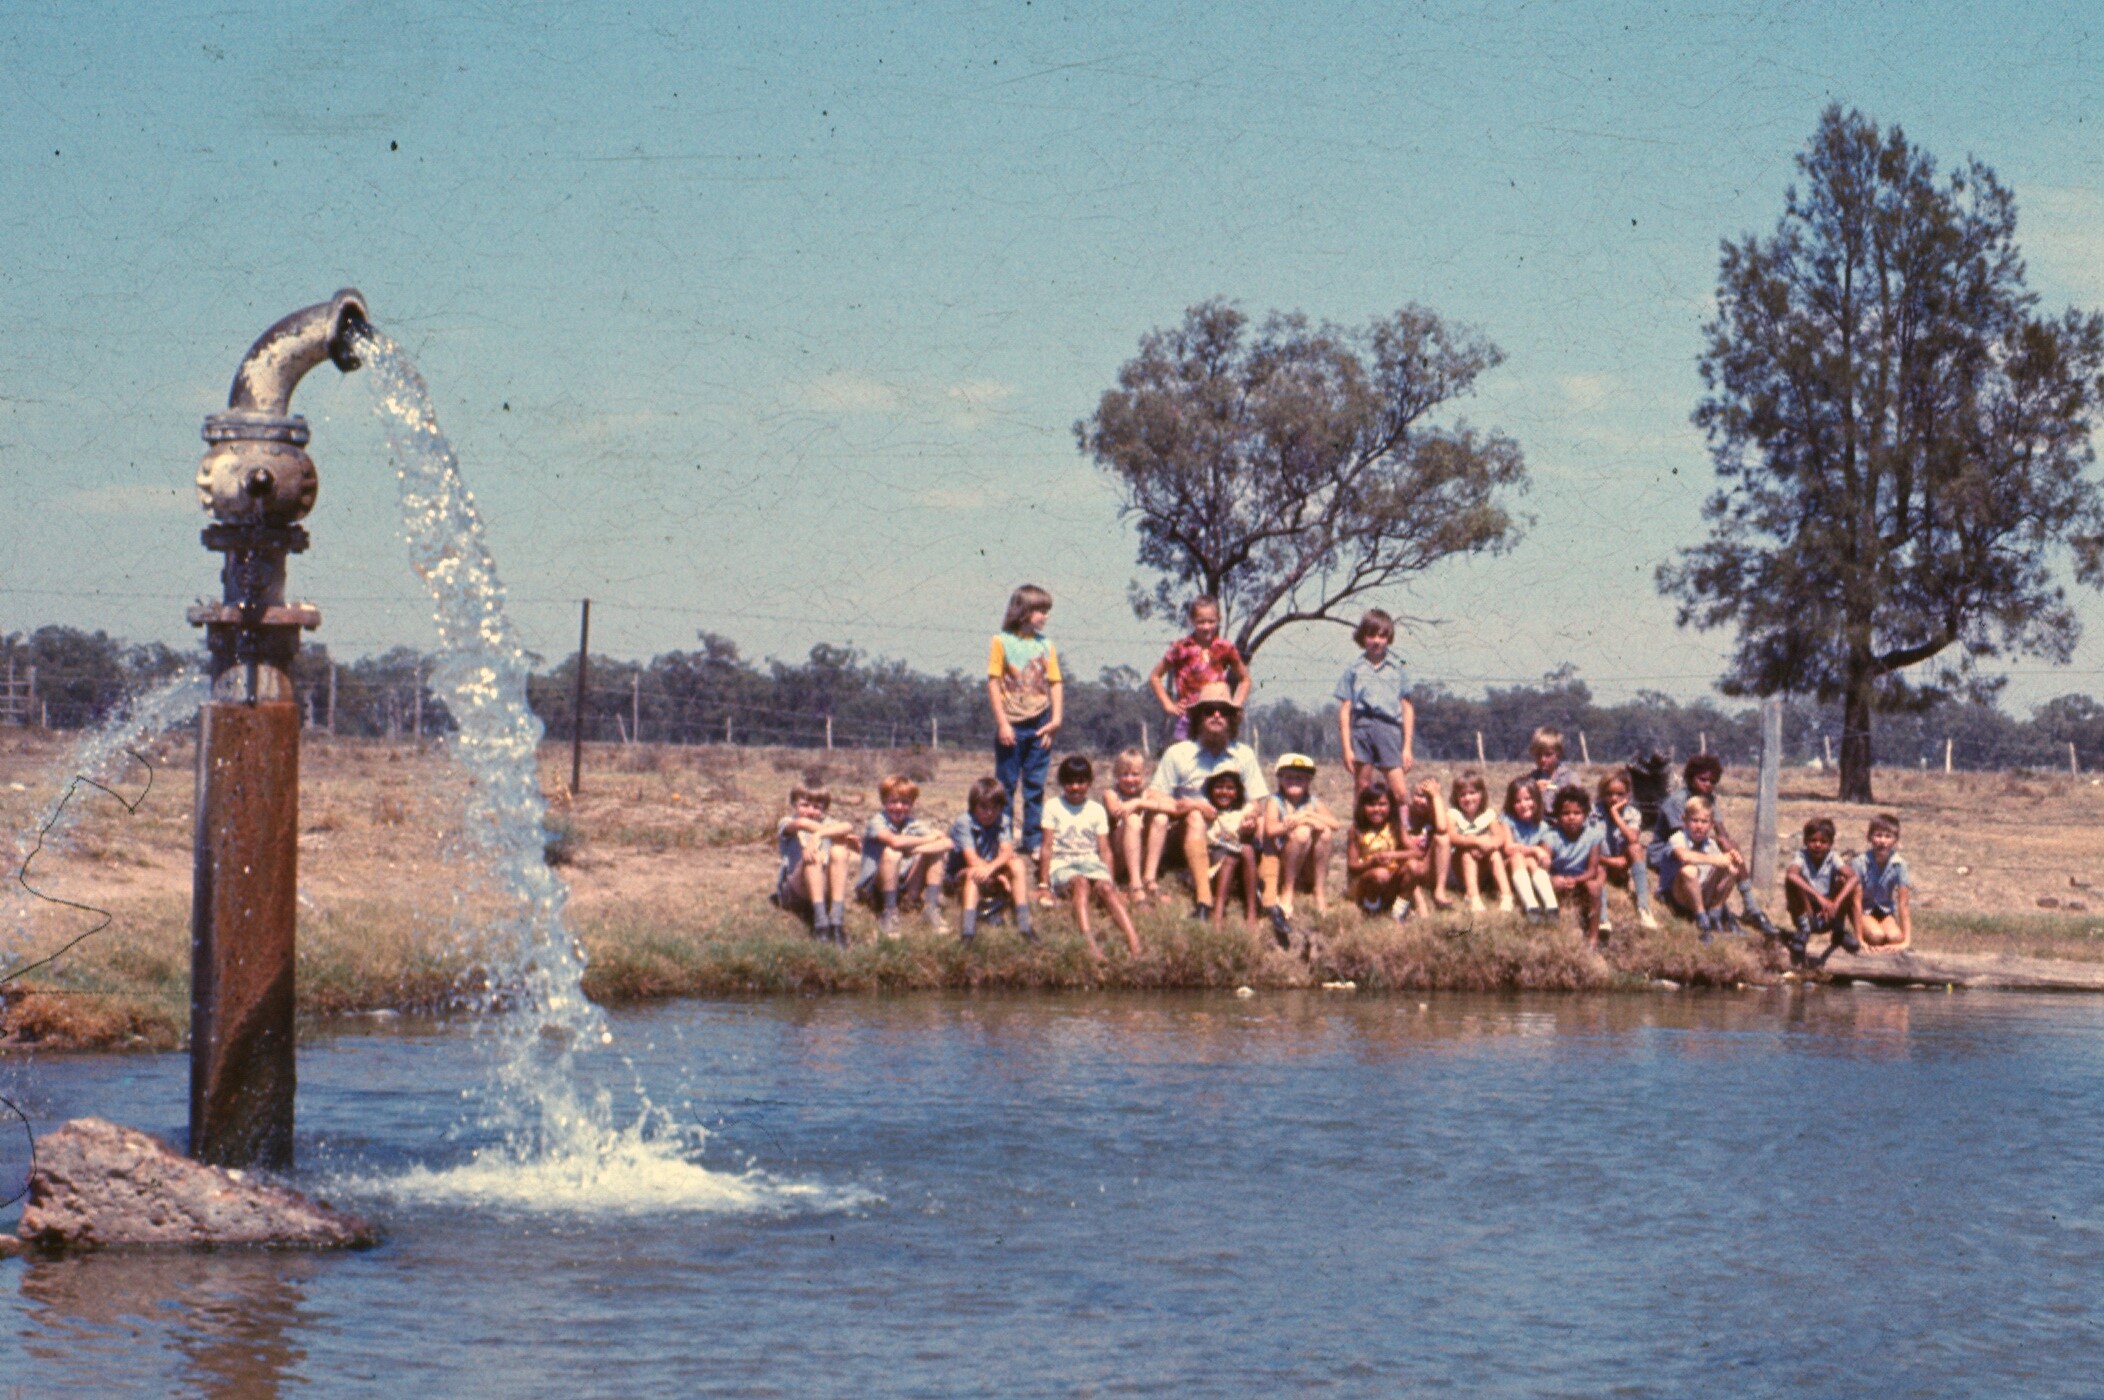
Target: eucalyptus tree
[(1901, 441)]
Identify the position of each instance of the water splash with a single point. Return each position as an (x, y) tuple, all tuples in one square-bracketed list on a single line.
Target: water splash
[(104, 755), (557, 1145)]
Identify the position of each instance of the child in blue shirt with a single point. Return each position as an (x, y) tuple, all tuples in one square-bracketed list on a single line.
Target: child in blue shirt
[(1574, 845), (1818, 889), (1376, 723), (1883, 891), (983, 859)]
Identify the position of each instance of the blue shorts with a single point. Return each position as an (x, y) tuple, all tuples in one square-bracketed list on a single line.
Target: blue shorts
[(1377, 740)]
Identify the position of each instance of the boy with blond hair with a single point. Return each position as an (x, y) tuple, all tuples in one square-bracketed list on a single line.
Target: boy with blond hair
[(901, 854), (1879, 903), (983, 859), (1376, 723)]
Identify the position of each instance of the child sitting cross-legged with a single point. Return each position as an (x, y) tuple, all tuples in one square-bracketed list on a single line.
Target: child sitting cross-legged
[(901, 854), (1230, 845), (1574, 846), (1293, 838), (814, 848), (983, 862), (1819, 891), (1075, 856)]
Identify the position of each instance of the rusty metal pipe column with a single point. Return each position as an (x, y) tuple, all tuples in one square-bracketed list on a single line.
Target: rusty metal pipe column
[(257, 482)]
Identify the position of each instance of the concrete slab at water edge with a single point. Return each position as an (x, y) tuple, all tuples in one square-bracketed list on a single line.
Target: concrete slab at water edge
[(2002, 970), (99, 1185)]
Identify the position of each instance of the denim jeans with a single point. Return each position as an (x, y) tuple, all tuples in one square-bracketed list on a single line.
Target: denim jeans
[(1023, 765)]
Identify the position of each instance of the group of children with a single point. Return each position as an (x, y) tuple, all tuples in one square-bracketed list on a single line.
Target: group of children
[(1408, 849)]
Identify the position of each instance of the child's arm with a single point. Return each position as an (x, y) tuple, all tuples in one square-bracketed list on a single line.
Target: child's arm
[(1902, 898), (1272, 822), (1442, 824), (1158, 678), (1409, 733), (1344, 730), (1044, 864), (1004, 732), (1844, 890), (1103, 851), (1054, 720)]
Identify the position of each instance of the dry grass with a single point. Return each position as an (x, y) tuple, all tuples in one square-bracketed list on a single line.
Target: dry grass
[(667, 849)]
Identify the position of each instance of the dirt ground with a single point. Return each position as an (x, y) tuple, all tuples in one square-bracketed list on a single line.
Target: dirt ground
[(689, 829)]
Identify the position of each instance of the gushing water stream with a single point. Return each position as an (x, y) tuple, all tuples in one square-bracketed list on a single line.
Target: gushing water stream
[(555, 1145)]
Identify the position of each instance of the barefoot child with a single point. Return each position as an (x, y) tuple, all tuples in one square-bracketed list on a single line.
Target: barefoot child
[(901, 854), (1699, 872), (1203, 658), (983, 859), (1075, 858), (1622, 854), (1293, 834), (1376, 724), (814, 851), (1230, 845), (1818, 891), (1023, 686), (1574, 845), (1139, 825), (1479, 841), (1526, 853), (1879, 902), (1376, 858)]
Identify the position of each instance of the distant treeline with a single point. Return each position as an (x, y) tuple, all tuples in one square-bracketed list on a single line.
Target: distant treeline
[(713, 695)]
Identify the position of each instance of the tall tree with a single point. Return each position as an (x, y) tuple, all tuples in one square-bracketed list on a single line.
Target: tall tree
[(1901, 442), (1291, 470)]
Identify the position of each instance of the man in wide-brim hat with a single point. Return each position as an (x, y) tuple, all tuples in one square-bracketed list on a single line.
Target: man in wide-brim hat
[(1214, 745)]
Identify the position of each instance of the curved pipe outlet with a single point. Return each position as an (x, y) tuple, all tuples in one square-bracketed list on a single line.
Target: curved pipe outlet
[(282, 355)]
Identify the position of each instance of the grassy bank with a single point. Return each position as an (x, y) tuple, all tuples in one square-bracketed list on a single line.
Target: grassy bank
[(129, 987)]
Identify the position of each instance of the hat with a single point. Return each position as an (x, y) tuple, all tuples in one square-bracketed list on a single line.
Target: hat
[(1215, 696), (1293, 760)]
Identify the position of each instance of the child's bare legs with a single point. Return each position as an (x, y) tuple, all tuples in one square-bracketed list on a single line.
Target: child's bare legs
[(1223, 881), (1079, 888), (1157, 839), (1248, 866), (1115, 902), (1300, 843), (811, 878), (1521, 877), (1503, 879), (1018, 876), (1693, 891), (1442, 867), (1131, 848), (1472, 880)]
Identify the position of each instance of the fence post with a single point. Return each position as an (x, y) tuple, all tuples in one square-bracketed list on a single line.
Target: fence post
[(726, 730), (1826, 741), (934, 732), (635, 708), (1767, 794), (1946, 754), (1585, 750), (1705, 742), (829, 733), (1146, 746), (584, 650), (332, 697), (417, 724), (2074, 765), (1481, 761)]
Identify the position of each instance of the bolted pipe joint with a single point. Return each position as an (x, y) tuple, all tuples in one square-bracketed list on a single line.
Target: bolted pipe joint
[(256, 470)]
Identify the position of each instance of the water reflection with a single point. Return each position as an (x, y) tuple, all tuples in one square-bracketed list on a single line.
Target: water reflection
[(229, 1320)]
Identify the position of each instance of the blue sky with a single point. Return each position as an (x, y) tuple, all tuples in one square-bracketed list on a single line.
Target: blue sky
[(775, 322)]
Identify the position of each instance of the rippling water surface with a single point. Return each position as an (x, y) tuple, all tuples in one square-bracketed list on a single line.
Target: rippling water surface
[(1824, 1191)]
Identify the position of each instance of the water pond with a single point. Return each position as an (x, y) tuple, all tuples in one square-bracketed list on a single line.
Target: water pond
[(1827, 1191)]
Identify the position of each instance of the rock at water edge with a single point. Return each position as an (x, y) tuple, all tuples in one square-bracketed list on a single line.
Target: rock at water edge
[(99, 1185)]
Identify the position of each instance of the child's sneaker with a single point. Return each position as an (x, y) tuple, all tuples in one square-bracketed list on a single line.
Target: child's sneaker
[(1607, 926), (1280, 924), (1646, 921), (1724, 921), (887, 925), (1762, 924)]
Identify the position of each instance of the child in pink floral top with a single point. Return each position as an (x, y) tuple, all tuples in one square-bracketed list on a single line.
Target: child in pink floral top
[(1204, 658)]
